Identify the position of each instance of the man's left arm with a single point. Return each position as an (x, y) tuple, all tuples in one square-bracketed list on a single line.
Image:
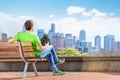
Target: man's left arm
[(12, 40)]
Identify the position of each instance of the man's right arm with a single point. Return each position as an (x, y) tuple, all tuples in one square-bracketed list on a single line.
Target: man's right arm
[(43, 47)]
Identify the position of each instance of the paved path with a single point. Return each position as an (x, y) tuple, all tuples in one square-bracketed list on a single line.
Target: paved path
[(67, 76)]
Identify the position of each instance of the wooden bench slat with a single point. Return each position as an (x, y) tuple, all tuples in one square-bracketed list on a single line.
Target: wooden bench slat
[(28, 54), (27, 49), (9, 55), (6, 44), (9, 49), (16, 55), (26, 44)]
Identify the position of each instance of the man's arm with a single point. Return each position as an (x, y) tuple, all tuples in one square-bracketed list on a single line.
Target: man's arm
[(12, 40), (43, 47)]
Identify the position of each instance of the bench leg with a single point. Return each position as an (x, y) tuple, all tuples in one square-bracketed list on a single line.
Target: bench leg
[(35, 69), (25, 70)]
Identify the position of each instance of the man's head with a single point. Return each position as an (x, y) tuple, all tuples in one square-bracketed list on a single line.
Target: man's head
[(29, 25)]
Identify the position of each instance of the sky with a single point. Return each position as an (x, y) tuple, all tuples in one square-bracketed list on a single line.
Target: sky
[(96, 17)]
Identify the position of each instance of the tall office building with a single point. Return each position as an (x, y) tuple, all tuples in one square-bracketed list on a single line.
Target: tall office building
[(117, 46), (74, 41), (82, 35), (68, 40), (89, 46), (58, 40), (97, 42), (24, 28), (40, 33), (53, 27), (83, 43), (4, 36), (109, 43), (51, 32)]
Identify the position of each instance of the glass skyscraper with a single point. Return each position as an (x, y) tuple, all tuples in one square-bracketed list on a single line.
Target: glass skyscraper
[(68, 40), (109, 43), (117, 46), (40, 33), (51, 32), (98, 42), (53, 27), (82, 35), (24, 29)]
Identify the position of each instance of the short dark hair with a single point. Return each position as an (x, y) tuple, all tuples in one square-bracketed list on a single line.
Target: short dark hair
[(28, 24)]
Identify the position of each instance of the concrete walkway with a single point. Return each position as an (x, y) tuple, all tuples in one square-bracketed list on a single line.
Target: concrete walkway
[(67, 76)]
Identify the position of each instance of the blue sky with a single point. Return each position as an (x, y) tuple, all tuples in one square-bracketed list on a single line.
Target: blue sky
[(42, 8), (97, 17)]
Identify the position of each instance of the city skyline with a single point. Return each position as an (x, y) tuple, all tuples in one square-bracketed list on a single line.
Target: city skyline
[(71, 17), (61, 40)]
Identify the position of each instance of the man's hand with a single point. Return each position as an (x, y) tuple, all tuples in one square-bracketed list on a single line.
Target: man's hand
[(11, 40), (43, 47)]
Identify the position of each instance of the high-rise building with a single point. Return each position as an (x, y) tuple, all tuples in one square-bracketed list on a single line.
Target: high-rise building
[(4, 36), (77, 43), (53, 27), (58, 40), (98, 42), (68, 40), (40, 33), (117, 46), (24, 29), (51, 32), (109, 43), (74, 41), (83, 47), (83, 43), (82, 36)]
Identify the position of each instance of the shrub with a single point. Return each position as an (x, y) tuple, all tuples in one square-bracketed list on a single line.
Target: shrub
[(69, 51)]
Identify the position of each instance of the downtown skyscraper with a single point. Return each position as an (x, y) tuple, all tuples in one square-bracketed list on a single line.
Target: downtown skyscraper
[(40, 33), (82, 35), (82, 41), (109, 43), (97, 42)]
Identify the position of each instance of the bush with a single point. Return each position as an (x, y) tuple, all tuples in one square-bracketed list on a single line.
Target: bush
[(69, 51)]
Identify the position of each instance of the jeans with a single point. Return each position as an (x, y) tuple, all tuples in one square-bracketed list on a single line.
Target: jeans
[(52, 57)]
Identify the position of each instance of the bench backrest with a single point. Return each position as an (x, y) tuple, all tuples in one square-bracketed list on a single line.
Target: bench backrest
[(16, 50)]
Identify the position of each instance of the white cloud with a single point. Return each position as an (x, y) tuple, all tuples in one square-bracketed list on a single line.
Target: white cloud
[(51, 16), (71, 10)]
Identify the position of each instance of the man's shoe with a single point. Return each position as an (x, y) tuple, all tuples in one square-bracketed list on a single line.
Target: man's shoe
[(60, 61), (58, 73)]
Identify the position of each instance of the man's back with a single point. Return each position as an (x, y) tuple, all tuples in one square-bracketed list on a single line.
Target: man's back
[(29, 37)]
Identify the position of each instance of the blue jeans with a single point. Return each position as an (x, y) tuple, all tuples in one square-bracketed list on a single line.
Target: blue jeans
[(52, 57)]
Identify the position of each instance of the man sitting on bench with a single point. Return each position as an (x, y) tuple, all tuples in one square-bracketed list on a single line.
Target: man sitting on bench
[(39, 50)]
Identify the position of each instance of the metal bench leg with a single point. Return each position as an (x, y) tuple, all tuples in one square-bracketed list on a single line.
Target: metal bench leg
[(35, 69), (25, 70)]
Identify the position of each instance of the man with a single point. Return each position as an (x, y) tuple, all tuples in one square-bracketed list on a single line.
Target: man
[(39, 50)]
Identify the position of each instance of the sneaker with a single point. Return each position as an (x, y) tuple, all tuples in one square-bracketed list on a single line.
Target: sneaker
[(58, 73), (60, 61)]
